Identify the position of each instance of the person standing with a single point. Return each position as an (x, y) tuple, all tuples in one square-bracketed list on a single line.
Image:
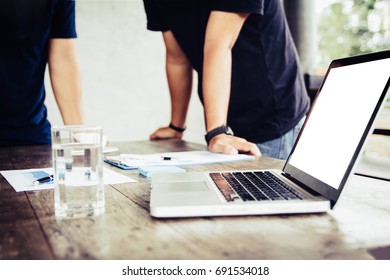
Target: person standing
[(35, 34), (250, 81)]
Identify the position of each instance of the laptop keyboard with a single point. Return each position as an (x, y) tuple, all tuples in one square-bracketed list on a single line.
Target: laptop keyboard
[(253, 186)]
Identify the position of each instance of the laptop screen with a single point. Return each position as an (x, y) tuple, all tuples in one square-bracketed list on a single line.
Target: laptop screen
[(341, 117)]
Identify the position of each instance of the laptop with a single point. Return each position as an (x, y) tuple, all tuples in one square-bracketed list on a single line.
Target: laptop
[(342, 115)]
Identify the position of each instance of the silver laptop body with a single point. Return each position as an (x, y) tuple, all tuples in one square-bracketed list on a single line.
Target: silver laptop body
[(314, 175)]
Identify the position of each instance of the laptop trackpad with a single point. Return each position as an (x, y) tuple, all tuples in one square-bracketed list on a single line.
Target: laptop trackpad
[(187, 186)]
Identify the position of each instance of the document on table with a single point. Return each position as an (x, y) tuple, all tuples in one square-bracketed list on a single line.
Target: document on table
[(22, 180), (177, 158)]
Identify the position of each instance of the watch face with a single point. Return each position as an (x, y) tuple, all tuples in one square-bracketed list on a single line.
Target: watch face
[(226, 129)]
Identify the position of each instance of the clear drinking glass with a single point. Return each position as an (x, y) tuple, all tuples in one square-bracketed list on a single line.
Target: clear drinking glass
[(78, 171)]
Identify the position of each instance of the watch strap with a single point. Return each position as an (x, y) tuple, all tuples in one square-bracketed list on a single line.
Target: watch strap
[(176, 128), (223, 129)]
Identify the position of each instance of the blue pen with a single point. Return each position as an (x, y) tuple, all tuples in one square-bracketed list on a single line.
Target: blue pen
[(43, 180), (119, 165)]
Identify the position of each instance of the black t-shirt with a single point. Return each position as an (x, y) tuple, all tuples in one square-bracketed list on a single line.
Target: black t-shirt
[(268, 96), (26, 27)]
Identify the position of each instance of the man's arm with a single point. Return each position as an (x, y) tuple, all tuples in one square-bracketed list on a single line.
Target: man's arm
[(221, 34), (179, 75), (66, 80)]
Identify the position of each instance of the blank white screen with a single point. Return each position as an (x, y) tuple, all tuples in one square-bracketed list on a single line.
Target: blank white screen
[(338, 120)]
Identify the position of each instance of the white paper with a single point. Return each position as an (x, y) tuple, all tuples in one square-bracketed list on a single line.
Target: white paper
[(22, 180), (179, 158)]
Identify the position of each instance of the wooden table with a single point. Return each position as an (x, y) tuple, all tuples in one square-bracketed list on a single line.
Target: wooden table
[(359, 228)]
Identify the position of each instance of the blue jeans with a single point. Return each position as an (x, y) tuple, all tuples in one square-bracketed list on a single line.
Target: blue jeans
[(281, 147)]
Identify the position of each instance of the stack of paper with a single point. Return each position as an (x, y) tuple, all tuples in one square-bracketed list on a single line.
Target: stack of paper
[(177, 158)]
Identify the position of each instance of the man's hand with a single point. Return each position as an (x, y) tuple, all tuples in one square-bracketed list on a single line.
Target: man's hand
[(228, 144), (166, 133)]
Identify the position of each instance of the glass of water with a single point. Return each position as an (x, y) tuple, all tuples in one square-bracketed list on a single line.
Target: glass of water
[(78, 171)]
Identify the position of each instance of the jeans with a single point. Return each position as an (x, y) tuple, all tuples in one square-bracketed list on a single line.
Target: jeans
[(281, 147)]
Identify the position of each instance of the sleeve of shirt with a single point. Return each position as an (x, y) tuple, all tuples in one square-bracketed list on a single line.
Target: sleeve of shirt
[(153, 16), (239, 6), (64, 20)]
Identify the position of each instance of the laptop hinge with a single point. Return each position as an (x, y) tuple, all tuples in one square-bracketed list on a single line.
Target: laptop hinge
[(303, 186)]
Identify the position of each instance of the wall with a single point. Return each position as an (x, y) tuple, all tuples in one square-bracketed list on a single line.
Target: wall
[(124, 83)]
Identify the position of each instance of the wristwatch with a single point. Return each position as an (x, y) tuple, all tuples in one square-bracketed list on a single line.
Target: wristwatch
[(223, 129)]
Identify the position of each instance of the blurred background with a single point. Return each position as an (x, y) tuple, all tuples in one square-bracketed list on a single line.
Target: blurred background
[(124, 84)]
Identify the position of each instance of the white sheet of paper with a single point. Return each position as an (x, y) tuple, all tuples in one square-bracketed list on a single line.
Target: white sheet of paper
[(179, 158), (22, 180)]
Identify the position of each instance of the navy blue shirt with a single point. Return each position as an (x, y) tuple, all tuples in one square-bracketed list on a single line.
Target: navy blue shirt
[(268, 96), (26, 27)]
